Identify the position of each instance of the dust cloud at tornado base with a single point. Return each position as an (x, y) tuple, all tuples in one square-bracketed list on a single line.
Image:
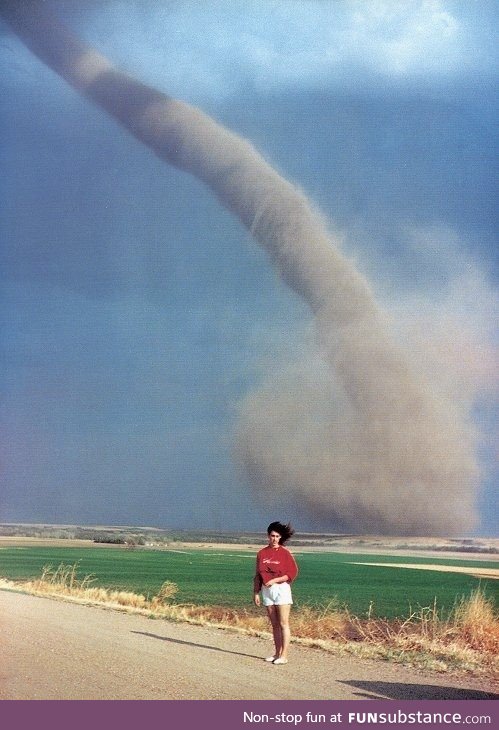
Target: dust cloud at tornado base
[(355, 436)]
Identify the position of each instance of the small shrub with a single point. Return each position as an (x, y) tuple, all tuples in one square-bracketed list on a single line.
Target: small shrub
[(476, 623), (165, 593)]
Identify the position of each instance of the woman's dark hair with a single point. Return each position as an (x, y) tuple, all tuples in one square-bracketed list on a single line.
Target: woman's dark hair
[(285, 531)]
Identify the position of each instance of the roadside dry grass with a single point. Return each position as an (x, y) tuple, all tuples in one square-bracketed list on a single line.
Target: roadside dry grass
[(465, 642)]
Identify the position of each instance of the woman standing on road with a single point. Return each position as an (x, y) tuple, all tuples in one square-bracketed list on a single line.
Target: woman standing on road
[(275, 570)]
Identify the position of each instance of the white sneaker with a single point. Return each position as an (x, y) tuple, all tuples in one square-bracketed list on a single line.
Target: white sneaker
[(270, 658), (280, 660)]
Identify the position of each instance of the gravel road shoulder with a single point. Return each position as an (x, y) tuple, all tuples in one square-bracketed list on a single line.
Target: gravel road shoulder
[(53, 650)]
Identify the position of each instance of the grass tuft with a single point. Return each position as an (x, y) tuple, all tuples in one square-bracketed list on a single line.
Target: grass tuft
[(476, 622), (165, 594)]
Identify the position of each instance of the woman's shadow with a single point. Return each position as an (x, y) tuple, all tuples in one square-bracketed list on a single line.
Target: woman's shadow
[(401, 691), (191, 643)]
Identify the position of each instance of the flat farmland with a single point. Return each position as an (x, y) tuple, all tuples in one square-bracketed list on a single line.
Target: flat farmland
[(389, 585)]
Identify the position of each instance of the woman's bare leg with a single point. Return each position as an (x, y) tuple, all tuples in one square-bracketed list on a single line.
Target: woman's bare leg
[(285, 632), (274, 617)]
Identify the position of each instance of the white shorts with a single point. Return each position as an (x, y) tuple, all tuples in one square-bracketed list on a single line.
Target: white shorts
[(278, 594)]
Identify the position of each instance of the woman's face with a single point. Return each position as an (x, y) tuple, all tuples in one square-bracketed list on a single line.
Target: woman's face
[(274, 539)]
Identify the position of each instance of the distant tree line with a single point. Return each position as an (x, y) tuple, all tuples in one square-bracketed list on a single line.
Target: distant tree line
[(141, 536)]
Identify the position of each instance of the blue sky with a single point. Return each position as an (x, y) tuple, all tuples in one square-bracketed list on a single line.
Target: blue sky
[(138, 313)]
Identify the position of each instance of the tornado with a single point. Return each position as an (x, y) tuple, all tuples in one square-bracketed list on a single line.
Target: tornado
[(358, 439)]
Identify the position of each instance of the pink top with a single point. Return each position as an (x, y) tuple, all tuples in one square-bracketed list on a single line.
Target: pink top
[(273, 563)]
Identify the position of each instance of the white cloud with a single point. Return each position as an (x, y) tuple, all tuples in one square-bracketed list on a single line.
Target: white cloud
[(410, 36), (220, 47)]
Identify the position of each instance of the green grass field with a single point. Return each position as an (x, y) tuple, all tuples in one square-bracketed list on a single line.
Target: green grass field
[(225, 577)]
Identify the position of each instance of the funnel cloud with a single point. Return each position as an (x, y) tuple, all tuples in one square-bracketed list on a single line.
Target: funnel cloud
[(355, 435)]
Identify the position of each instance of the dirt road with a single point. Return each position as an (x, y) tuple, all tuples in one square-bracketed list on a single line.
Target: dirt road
[(56, 650)]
